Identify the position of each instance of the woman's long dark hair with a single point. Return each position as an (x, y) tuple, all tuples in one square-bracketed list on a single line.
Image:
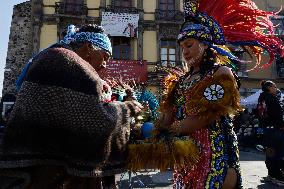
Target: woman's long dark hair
[(209, 59)]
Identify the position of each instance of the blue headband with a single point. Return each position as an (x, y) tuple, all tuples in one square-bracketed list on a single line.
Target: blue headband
[(98, 39)]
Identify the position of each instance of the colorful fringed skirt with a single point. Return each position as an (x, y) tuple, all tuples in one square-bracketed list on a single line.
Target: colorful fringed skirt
[(217, 154)]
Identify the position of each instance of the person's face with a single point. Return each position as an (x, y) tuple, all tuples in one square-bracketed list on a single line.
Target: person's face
[(193, 51), (98, 58), (272, 89)]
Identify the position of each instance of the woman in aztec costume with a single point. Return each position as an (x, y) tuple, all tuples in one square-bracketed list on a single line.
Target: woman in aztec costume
[(201, 101)]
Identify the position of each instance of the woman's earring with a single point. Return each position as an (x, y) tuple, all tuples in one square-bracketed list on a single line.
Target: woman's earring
[(205, 56)]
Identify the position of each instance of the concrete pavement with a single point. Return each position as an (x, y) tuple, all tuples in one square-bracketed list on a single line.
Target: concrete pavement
[(252, 166)]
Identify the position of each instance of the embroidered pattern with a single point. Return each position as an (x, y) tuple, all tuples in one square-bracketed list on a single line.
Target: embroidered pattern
[(180, 97), (214, 92), (208, 30), (219, 160)]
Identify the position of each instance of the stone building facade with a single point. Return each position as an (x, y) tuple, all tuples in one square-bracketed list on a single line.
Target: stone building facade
[(20, 47)]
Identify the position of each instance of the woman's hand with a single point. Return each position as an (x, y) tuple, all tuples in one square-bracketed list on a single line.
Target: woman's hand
[(194, 122), (164, 121)]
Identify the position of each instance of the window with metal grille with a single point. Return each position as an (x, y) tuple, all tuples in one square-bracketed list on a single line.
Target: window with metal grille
[(168, 53), (121, 48), (122, 3), (167, 5), (73, 7)]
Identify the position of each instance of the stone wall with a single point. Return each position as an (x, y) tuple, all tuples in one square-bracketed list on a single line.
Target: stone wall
[(20, 45)]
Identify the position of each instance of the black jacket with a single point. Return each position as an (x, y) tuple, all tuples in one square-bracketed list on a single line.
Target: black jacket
[(274, 111)]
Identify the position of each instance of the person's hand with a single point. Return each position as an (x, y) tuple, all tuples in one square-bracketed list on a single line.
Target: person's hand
[(135, 131), (164, 121), (135, 107), (131, 83), (112, 83), (168, 131), (175, 128)]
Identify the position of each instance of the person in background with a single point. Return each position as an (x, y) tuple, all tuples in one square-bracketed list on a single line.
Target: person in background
[(63, 131), (241, 122), (271, 120), (279, 96)]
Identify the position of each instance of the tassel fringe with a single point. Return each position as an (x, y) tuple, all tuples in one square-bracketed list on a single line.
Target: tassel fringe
[(162, 155)]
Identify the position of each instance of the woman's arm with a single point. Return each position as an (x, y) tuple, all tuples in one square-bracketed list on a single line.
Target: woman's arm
[(195, 122)]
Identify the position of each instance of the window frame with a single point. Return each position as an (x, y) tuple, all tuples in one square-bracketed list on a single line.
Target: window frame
[(166, 4), (121, 44), (169, 45), (120, 3)]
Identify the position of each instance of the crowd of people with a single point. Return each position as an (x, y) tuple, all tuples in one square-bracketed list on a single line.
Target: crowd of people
[(67, 130)]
